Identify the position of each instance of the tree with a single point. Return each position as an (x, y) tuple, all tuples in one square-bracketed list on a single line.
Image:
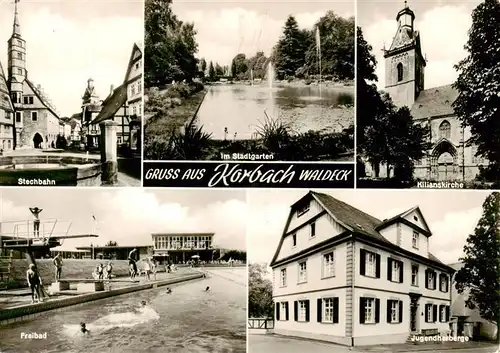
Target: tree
[(233, 69), (111, 243), (219, 71), (478, 84), (407, 142), (211, 72), (480, 273), (203, 65), (260, 292), (239, 66), (336, 44), (170, 45), (289, 53)]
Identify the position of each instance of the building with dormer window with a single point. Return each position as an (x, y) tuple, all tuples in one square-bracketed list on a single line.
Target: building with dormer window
[(449, 157), (344, 276)]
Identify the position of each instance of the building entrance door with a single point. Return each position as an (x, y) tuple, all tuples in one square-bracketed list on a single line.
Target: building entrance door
[(414, 327)]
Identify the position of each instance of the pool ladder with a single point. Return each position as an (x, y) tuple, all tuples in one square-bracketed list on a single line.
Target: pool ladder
[(5, 268)]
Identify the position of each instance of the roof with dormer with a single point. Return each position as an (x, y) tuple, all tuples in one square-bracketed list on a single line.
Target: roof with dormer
[(434, 102), (354, 220)]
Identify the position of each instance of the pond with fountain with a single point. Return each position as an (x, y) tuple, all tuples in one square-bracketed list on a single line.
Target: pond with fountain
[(236, 111)]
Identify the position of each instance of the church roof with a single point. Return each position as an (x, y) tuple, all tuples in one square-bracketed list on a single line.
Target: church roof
[(434, 101), (5, 101)]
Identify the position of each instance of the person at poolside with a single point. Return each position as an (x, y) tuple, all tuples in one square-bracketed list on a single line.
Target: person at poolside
[(95, 274), (147, 269), (154, 268), (100, 271), (109, 269), (83, 328), (132, 263), (58, 263), (35, 211), (34, 283)]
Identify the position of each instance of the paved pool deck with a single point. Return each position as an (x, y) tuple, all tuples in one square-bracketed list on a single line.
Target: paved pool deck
[(18, 307)]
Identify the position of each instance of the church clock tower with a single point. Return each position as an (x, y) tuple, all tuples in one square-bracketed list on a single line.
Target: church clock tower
[(16, 62), (404, 62)]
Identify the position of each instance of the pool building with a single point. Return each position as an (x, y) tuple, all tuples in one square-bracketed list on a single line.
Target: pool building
[(344, 276), (179, 248)]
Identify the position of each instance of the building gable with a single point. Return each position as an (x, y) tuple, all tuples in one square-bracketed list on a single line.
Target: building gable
[(135, 57), (402, 38), (5, 101), (416, 217), (40, 101)]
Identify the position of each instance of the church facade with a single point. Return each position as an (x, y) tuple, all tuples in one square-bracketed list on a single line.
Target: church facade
[(449, 158), (27, 117)]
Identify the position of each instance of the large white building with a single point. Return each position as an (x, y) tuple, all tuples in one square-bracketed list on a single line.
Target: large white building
[(343, 276)]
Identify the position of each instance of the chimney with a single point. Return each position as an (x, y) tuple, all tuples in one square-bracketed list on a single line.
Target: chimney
[(111, 89)]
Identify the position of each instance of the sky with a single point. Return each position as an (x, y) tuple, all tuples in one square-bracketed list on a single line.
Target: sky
[(226, 28), (70, 41), (443, 26), (129, 215), (451, 215)]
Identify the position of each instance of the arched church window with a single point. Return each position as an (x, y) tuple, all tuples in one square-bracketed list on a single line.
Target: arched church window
[(400, 72), (445, 130)]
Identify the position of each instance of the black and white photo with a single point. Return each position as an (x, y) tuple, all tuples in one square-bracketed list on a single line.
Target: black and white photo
[(398, 276), (428, 92), (122, 270), (249, 80), (71, 78)]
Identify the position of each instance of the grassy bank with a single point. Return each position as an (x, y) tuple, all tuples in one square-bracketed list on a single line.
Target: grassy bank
[(163, 122)]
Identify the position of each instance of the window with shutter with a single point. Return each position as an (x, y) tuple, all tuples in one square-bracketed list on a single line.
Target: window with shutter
[(414, 275), (302, 310), (328, 309), (319, 308), (434, 313), (283, 311), (368, 306), (277, 311), (371, 264)]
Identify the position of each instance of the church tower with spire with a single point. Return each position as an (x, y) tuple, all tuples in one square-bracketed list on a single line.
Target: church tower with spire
[(404, 62), (36, 121), (16, 62)]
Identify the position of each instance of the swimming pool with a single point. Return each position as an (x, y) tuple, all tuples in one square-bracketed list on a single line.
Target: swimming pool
[(187, 320)]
